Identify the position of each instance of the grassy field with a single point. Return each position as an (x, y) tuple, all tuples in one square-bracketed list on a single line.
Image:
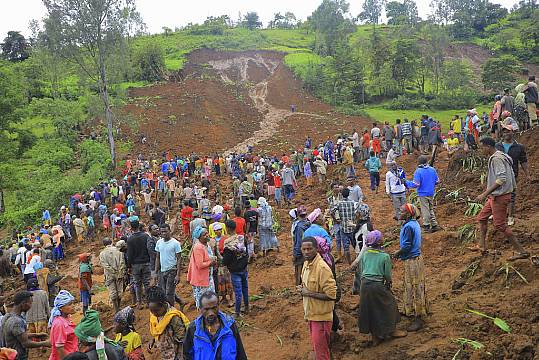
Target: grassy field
[(380, 114)]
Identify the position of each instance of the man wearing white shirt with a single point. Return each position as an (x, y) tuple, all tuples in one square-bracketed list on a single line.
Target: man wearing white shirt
[(395, 187)]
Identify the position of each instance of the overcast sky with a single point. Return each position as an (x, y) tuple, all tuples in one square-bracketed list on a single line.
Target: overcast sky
[(16, 14)]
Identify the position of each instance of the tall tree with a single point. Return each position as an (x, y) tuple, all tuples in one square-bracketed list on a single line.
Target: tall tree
[(251, 21), (372, 11), (330, 24), (88, 32), (433, 52), (404, 13), (498, 73), (15, 47), (404, 62)]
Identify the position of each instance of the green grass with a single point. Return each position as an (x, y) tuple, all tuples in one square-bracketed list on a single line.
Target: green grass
[(132, 84), (380, 114), (300, 61), (39, 126)]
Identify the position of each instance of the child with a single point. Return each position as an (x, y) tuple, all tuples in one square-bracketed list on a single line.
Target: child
[(308, 172), (373, 165), (85, 280), (126, 335), (187, 216)]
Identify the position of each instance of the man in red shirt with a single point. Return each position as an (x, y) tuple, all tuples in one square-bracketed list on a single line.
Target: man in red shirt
[(240, 222), (187, 216)]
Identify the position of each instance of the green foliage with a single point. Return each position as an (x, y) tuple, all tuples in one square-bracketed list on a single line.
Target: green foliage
[(251, 21), (211, 26), (54, 152), (94, 153), (150, 62), (330, 26), (15, 47), (11, 95), (404, 13), (498, 73), (404, 61), (372, 11), (286, 21)]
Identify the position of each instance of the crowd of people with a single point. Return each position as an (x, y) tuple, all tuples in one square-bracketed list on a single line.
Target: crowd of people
[(221, 232)]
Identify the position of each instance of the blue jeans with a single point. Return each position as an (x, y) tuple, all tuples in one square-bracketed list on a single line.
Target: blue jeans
[(241, 289), (347, 240), (338, 238), (375, 180)]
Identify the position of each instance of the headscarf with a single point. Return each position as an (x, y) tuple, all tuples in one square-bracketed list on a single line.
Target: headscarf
[(262, 202), (314, 215), (364, 211), (89, 327), (217, 217), (374, 239), (32, 284), (63, 298), (411, 209), (324, 250), (293, 213), (125, 317), (199, 231)]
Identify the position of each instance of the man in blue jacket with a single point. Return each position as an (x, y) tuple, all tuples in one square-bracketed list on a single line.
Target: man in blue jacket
[(425, 181), (213, 335)]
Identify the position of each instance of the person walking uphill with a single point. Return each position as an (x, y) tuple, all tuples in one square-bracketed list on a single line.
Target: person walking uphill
[(139, 261), (213, 335), (319, 291), (373, 166), (425, 181), (415, 296), (201, 261), (113, 263), (168, 263), (500, 184)]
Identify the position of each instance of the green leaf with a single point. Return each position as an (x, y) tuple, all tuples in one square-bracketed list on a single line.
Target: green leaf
[(502, 325)]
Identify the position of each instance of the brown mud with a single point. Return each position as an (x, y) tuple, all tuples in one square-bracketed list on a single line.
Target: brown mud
[(219, 106)]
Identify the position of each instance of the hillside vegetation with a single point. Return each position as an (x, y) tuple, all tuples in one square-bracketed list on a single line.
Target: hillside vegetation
[(53, 120)]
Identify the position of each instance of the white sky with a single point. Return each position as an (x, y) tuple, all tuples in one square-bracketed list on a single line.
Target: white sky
[(16, 14)]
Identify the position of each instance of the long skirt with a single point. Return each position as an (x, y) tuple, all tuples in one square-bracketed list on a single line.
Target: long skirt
[(378, 311), (415, 294), (224, 281), (268, 240), (199, 290)]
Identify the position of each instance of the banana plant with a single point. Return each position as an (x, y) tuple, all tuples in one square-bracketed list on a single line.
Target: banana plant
[(496, 320), (473, 208)]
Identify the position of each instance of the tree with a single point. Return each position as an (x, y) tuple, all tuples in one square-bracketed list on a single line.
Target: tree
[(88, 32), (404, 62), (166, 30), (330, 25), (442, 11), (457, 75), (402, 13), (372, 11), (150, 61), (378, 53), (251, 21), (498, 73), (286, 21), (433, 52), (11, 96), (15, 47)]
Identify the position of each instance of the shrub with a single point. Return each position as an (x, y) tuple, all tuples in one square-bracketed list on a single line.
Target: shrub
[(150, 62), (54, 152), (94, 153)]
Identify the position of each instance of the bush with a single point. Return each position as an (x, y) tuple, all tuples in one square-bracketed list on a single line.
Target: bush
[(150, 62), (94, 153), (54, 152), (403, 102)]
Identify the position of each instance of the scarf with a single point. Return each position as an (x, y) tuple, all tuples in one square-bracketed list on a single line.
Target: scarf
[(85, 267), (158, 327), (374, 239), (324, 250), (125, 317), (62, 299), (89, 330)]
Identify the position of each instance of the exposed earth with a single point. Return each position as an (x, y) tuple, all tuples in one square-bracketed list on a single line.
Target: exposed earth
[(226, 101)]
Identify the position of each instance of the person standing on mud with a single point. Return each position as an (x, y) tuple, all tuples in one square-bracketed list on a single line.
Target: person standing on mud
[(425, 181), (517, 152), (319, 291), (415, 295), (500, 184), (289, 183), (139, 261)]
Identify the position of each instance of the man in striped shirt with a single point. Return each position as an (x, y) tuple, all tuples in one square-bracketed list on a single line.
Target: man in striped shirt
[(407, 135)]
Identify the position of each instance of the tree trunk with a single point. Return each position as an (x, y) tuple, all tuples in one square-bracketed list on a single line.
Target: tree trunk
[(106, 103)]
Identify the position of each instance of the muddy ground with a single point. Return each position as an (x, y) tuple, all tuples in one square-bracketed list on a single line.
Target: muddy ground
[(221, 104)]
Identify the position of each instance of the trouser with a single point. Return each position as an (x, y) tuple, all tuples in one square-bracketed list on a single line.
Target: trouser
[(365, 153), (38, 327), (320, 332), (532, 112), (141, 274), (115, 286), (350, 171), (338, 238), (347, 239), (389, 144), (375, 180), (427, 211), (398, 200), (513, 201), (298, 267), (288, 192), (167, 282), (321, 178), (241, 289), (357, 154), (497, 206), (408, 144)]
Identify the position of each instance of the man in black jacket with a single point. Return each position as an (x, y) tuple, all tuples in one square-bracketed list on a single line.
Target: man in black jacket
[(138, 260), (532, 98), (235, 258)]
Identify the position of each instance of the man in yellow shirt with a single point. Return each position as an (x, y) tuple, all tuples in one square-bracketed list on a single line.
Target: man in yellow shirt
[(452, 143), (319, 291)]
